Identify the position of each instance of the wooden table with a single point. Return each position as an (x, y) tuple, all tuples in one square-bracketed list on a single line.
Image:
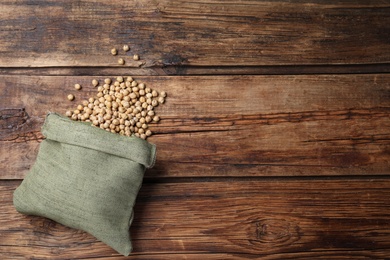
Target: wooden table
[(274, 141)]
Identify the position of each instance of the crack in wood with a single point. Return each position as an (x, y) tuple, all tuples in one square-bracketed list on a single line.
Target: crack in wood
[(17, 126), (12, 118), (173, 67)]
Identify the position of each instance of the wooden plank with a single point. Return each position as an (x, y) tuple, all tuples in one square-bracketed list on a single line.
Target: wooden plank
[(200, 33), (228, 125), (225, 219)]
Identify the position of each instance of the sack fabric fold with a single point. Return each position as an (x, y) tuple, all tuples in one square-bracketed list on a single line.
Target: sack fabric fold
[(86, 178)]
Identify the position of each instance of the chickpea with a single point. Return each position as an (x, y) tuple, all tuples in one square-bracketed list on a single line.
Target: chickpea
[(95, 82), (121, 61), (122, 106), (70, 97), (126, 47)]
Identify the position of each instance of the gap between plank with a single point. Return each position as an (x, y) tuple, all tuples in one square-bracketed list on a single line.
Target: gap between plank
[(167, 180), (186, 70)]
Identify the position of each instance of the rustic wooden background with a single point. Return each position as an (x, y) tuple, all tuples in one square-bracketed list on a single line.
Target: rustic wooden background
[(275, 138)]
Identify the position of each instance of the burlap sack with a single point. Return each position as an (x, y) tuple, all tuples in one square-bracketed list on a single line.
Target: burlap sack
[(86, 178)]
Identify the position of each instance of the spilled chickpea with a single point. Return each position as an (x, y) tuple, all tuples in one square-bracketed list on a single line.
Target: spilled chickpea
[(122, 106)]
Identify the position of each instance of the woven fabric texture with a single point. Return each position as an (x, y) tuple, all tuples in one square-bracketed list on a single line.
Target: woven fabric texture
[(86, 178)]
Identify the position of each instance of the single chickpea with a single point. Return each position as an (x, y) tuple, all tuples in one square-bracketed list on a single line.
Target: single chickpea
[(68, 113), (150, 113), (121, 61), (88, 110), (126, 104), (115, 122), (70, 97), (108, 98), (95, 82), (126, 47)]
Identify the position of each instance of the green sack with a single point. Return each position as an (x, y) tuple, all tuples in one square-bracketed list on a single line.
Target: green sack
[(86, 178)]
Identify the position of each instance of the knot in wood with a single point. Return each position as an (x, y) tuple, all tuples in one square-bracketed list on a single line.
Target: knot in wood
[(275, 231)]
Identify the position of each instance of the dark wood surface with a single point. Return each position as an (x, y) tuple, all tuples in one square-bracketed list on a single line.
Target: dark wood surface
[(274, 141), (317, 125), (226, 219), (196, 33)]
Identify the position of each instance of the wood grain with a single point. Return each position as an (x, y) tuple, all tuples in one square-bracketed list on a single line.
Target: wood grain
[(228, 125), (196, 33), (224, 219), (293, 163)]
